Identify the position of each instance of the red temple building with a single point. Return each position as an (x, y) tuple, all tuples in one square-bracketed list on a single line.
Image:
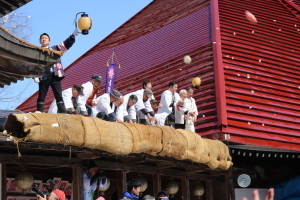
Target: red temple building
[(249, 96), (250, 78)]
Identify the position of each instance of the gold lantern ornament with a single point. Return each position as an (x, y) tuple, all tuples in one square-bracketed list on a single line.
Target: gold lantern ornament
[(144, 185), (172, 188), (196, 82), (198, 190), (24, 181), (104, 184), (84, 23)]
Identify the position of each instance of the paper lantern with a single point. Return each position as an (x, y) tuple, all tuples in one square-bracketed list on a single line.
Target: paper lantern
[(198, 190), (24, 181), (172, 188), (104, 184), (84, 23), (196, 82), (144, 185)]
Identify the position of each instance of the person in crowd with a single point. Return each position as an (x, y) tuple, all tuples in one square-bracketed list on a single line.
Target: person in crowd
[(193, 112), (163, 195), (91, 88), (133, 190), (100, 198), (143, 104), (90, 176), (181, 111), (148, 197), (70, 97), (126, 111), (54, 195), (52, 76), (160, 118), (168, 100), (255, 194), (143, 118), (105, 108)]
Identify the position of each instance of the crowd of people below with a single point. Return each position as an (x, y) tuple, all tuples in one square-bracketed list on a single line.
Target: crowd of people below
[(174, 109)]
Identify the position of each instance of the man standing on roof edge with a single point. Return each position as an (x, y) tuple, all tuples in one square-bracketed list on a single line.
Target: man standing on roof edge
[(53, 75)]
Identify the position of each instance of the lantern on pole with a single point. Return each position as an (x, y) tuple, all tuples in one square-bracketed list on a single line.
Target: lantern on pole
[(196, 82), (84, 23)]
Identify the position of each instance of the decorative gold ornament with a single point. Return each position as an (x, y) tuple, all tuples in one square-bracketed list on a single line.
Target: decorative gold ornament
[(172, 188), (198, 190), (104, 184), (196, 82), (24, 181), (144, 185)]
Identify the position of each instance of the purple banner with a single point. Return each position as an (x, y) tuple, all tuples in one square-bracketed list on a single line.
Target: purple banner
[(111, 72)]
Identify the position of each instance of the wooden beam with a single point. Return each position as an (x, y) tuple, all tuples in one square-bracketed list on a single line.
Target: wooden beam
[(88, 155), (208, 190), (133, 160), (121, 183), (156, 184), (167, 164), (185, 185), (39, 160), (193, 169), (77, 177)]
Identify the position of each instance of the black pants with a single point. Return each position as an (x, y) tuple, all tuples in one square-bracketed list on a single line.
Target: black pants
[(105, 117), (181, 126), (55, 83)]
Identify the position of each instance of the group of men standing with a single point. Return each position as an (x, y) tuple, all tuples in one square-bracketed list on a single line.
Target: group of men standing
[(175, 109)]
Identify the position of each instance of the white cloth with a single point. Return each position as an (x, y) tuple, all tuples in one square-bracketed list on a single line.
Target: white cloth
[(67, 97), (179, 113), (87, 91), (192, 107), (166, 100), (103, 104), (88, 189), (161, 118)]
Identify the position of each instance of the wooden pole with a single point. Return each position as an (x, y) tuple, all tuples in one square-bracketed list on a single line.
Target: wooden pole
[(185, 184), (156, 184), (121, 183), (77, 190), (208, 190), (3, 180)]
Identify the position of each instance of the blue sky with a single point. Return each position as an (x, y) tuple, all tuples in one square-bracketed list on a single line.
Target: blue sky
[(56, 18)]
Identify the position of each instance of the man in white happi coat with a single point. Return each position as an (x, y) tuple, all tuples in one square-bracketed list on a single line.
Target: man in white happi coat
[(143, 104), (90, 90), (169, 98), (193, 112), (70, 97), (105, 108), (126, 108), (181, 111)]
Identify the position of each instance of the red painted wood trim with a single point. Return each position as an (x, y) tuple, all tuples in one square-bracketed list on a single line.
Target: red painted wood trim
[(218, 65)]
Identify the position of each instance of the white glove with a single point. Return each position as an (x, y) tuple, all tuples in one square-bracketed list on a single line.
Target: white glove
[(75, 32), (36, 80)]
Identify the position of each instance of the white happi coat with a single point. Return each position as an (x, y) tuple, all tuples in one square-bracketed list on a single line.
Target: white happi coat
[(87, 91), (166, 100), (192, 107), (179, 113), (103, 105), (122, 109), (140, 104)]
